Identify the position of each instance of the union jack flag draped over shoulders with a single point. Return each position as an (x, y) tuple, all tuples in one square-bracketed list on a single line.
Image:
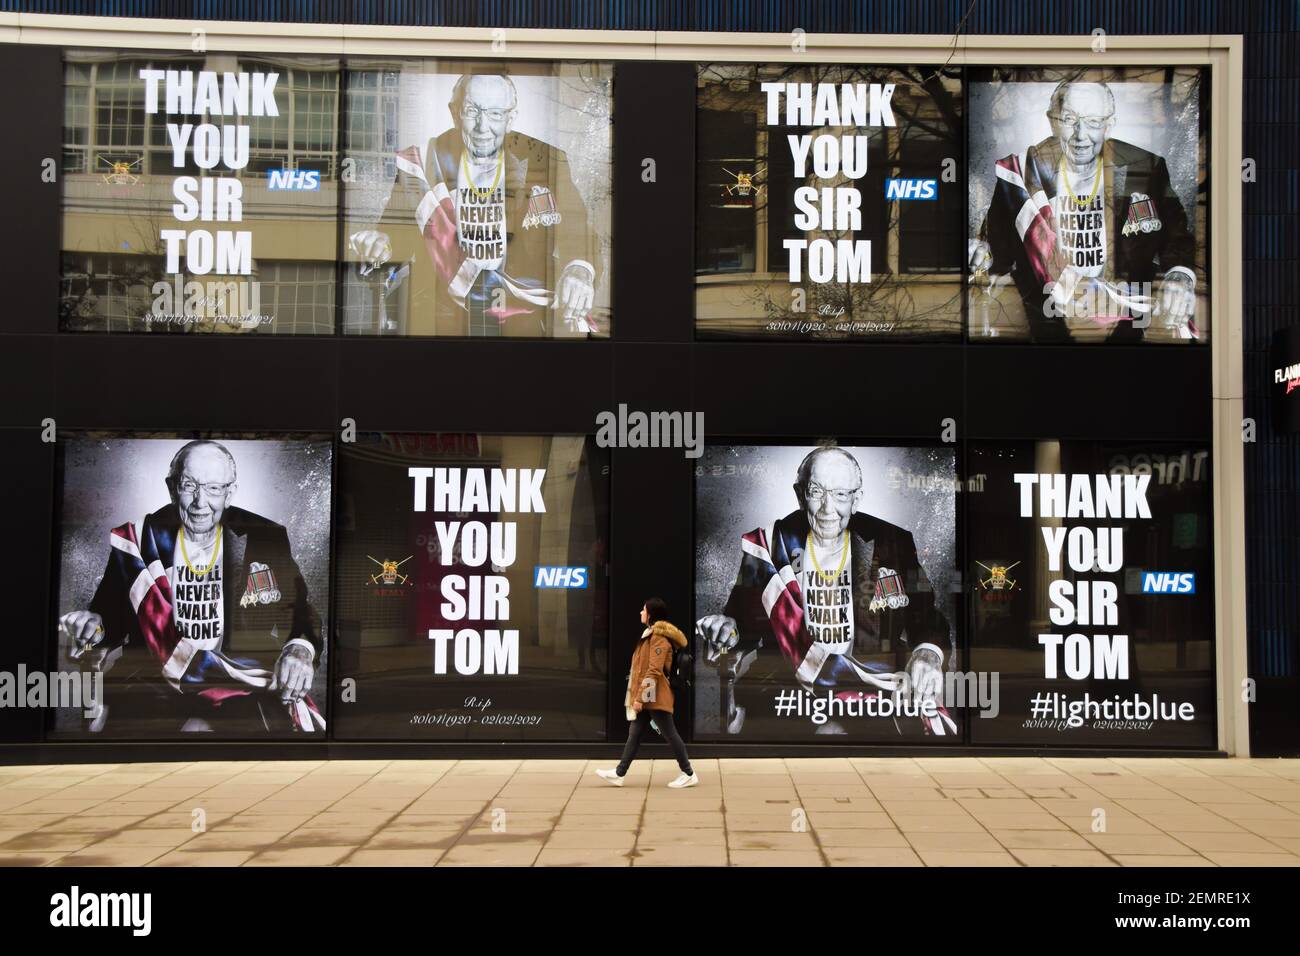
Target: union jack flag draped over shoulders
[(137, 571), (1025, 189), (435, 214), (766, 564)]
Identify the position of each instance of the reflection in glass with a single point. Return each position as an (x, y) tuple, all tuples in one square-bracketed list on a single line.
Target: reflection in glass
[(126, 192), (481, 201), (1125, 612), (750, 205), (475, 618)]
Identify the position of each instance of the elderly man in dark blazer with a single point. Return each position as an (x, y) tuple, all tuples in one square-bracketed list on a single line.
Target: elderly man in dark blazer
[(502, 245), (1089, 228), (203, 615)]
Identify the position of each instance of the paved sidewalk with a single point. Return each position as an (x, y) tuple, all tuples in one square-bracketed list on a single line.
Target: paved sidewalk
[(1008, 811)]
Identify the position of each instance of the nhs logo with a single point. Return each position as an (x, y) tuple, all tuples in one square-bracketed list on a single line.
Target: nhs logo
[(1168, 582), (300, 179), (911, 189), (547, 576)]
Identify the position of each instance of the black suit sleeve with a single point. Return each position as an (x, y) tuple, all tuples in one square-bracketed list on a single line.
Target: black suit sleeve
[(922, 621), (112, 604), (745, 605), (289, 616), (999, 230), (1177, 247), (304, 622), (573, 234)]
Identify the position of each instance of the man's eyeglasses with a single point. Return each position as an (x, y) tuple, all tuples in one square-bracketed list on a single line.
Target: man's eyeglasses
[(213, 489), (1071, 121), (816, 494), (471, 113)]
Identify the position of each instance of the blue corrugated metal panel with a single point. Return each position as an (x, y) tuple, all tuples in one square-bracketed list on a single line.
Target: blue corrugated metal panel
[(1269, 237), (1272, 463), (884, 16)]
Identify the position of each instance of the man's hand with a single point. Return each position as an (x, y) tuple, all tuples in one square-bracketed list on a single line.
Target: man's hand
[(575, 294), (84, 628), (979, 256), (924, 675), (637, 706), (371, 247), (1178, 301), (293, 673), (719, 634)]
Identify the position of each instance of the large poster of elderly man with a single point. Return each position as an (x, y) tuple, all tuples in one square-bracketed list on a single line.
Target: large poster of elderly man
[(480, 204), (193, 582), (1087, 205), (824, 593)]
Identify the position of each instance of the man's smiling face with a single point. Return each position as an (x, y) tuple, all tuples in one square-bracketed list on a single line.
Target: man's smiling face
[(1081, 122), (202, 489), (831, 496), (485, 115)]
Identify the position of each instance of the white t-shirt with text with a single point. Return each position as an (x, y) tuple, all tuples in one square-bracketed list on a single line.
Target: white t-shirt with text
[(198, 609)]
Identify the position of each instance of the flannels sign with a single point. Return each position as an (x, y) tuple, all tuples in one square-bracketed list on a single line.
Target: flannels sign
[(1285, 381)]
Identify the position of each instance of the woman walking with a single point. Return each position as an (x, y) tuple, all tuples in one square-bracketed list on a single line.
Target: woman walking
[(650, 696)]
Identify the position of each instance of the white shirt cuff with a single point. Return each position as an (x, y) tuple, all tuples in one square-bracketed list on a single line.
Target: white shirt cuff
[(301, 642), (931, 647), (586, 265)]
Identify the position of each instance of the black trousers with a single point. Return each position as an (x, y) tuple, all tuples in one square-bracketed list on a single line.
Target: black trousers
[(637, 728)]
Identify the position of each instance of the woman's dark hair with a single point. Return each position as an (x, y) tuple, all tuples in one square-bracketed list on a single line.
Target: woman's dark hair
[(655, 610)]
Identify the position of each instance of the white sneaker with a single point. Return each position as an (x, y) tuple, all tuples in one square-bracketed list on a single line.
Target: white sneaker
[(611, 777), (685, 781)]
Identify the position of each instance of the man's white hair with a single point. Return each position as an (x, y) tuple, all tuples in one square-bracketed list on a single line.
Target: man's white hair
[(1058, 94), (178, 459), (806, 466), (462, 84)]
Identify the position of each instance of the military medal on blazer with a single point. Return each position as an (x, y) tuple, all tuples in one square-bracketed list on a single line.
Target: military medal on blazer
[(262, 588), (1142, 215), (541, 209), (889, 591)]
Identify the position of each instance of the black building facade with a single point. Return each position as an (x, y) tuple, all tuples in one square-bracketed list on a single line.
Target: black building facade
[(664, 188)]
